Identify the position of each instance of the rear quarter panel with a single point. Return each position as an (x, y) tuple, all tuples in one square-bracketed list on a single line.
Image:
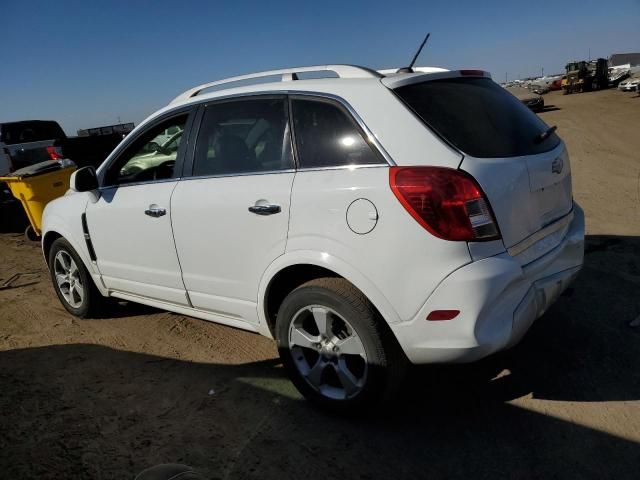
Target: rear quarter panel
[(399, 259)]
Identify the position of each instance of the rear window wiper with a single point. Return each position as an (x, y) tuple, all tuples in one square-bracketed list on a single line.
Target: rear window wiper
[(544, 135)]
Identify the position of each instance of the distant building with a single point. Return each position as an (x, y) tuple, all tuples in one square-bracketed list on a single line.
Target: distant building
[(123, 128), (624, 59)]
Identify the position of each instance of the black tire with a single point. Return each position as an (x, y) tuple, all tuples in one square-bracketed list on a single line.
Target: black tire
[(385, 362), (30, 234), (92, 299)]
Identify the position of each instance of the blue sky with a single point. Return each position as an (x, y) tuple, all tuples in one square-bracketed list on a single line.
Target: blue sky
[(87, 63)]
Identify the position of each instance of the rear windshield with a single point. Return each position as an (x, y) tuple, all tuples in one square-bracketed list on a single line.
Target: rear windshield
[(478, 117), (30, 131)]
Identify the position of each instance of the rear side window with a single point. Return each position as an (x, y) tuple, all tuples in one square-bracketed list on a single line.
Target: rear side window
[(243, 136), (478, 117), (326, 136)]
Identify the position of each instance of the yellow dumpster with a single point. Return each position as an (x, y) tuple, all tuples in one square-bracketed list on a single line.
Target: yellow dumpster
[(37, 185)]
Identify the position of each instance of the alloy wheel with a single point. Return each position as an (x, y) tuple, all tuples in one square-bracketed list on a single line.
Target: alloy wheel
[(68, 278), (328, 352)]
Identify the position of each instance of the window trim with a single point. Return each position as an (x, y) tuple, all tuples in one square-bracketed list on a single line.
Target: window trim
[(364, 129), (366, 134), (183, 149), (187, 173), (196, 111), (354, 115)]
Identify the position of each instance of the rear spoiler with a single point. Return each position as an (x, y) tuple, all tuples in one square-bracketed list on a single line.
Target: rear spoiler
[(400, 80), (394, 71)]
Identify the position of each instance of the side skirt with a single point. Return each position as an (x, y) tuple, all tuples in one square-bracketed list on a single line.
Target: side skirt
[(191, 312)]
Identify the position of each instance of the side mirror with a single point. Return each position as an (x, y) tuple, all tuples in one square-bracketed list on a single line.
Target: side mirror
[(84, 180)]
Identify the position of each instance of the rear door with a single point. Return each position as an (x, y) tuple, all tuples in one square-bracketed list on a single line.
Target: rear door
[(525, 175), (230, 215), (130, 221)]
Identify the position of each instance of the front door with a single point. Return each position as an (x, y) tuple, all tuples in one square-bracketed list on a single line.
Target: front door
[(130, 222), (230, 217)]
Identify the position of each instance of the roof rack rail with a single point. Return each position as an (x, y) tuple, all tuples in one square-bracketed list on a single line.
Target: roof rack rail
[(288, 74)]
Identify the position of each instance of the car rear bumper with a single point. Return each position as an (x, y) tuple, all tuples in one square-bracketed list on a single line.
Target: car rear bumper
[(498, 299)]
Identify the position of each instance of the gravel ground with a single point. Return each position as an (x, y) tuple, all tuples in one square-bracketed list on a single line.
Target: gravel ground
[(108, 397)]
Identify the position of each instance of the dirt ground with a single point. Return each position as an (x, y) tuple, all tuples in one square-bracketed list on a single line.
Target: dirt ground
[(106, 398)]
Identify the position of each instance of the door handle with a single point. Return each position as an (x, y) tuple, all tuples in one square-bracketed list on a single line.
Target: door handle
[(265, 209), (155, 211)]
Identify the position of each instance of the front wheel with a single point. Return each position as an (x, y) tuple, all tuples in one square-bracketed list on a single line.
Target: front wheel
[(71, 280), (336, 349)]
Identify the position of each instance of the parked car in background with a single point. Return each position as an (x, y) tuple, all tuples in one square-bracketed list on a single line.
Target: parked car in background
[(630, 84), (29, 142), (361, 221), (617, 75), (531, 99), (84, 151), (544, 84), (539, 89)]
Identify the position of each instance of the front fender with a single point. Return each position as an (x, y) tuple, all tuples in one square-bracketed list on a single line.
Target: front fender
[(63, 217), (330, 262)]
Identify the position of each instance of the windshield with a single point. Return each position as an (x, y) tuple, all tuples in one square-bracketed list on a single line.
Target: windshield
[(478, 117)]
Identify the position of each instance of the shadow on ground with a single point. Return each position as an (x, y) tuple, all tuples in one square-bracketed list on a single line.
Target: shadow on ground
[(12, 216), (87, 411), (115, 308), (550, 108)]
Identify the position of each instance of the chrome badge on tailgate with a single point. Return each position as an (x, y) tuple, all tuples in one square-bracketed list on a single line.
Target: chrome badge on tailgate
[(557, 165)]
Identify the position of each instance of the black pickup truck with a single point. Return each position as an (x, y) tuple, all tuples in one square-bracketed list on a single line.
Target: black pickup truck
[(33, 141)]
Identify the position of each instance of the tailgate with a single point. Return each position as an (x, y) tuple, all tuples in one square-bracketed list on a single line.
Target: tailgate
[(26, 154), (519, 162), (526, 193)]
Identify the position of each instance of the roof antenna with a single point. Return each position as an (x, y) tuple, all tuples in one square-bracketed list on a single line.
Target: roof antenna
[(409, 69)]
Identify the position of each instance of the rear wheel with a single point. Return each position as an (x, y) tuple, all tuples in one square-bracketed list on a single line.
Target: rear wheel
[(335, 347), (71, 280)]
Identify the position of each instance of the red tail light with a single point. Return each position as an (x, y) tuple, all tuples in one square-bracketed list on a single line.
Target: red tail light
[(447, 202), (55, 153)]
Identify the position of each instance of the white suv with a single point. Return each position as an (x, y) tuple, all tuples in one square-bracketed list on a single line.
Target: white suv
[(361, 221)]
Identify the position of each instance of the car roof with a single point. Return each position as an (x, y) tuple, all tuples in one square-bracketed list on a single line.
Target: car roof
[(291, 77), (358, 89), (348, 79)]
